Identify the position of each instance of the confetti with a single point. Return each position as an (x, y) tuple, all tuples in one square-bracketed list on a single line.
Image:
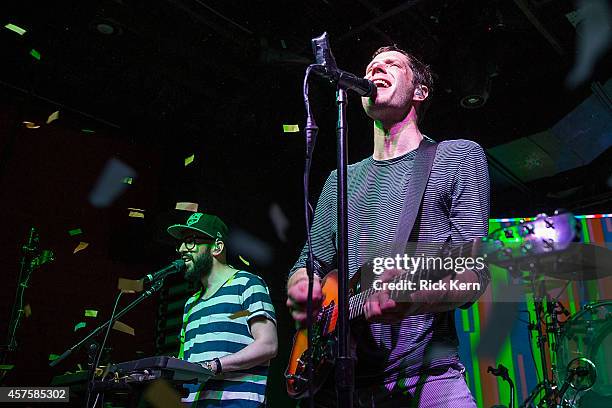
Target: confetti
[(136, 214), (128, 180), (52, 117), (30, 125), (79, 325), (6, 367), (122, 327), (189, 160), (280, 221), (109, 185), (283, 44), (186, 206), (129, 285), (241, 313), (91, 313), (82, 245), (35, 54), (27, 310), (76, 231), (53, 357), (244, 261), (251, 247), (161, 395), (291, 128), (88, 131), (15, 28)]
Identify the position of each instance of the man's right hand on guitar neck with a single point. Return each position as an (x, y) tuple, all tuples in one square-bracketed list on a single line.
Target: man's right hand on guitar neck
[(297, 294)]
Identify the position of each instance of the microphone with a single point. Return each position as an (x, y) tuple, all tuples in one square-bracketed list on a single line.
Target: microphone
[(175, 267), (329, 70)]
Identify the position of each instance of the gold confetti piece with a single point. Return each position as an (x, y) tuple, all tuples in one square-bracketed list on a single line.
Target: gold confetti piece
[(88, 131), (244, 261), (189, 160), (136, 214), (129, 285), (82, 245), (91, 313), (30, 125), (128, 180), (35, 54), (122, 327), (291, 128), (76, 231), (79, 325), (15, 28), (6, 367), (136, 209), (52, 117), (27, 310), (53, 357), (187, 206), (161, 395), (241, 313)]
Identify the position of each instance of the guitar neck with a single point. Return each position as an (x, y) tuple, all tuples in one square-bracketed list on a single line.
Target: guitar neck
[(357, 301)]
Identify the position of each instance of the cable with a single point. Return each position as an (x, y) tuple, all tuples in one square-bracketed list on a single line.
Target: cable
[(311, 132), (99, 354), (535, 367)]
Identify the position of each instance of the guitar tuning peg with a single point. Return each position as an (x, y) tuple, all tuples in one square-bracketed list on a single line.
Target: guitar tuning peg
[(549, 243)]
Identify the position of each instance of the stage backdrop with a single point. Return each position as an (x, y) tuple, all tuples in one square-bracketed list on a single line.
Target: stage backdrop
[(516, 346)]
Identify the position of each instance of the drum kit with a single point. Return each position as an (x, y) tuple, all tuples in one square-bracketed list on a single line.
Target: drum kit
[(574, 349), (579, 351), (546, 256)]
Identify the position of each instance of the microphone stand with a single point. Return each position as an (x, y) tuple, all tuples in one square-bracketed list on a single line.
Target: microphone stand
[(345, 365), (144, 295)]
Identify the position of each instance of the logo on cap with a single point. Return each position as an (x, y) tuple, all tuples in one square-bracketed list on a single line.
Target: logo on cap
[(195, 217)]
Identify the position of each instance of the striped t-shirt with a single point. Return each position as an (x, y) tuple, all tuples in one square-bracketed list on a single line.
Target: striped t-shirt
[(218, 326), (455, 205)]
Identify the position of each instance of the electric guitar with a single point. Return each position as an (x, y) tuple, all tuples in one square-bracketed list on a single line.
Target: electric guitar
[(513, 247)]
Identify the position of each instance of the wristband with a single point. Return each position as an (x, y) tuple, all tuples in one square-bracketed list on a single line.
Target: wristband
[(219, 368)]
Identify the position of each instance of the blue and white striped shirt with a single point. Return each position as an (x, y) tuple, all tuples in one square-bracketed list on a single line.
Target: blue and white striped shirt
[(218, 326)]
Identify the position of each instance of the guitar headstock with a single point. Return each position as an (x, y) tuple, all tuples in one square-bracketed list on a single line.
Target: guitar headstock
[(531, 238)]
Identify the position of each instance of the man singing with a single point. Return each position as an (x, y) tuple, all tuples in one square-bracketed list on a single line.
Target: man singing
[(229, 325), (407, 354)]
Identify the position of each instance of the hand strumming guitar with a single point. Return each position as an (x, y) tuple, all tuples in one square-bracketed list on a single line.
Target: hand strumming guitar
[(380, 308), (297, 294)]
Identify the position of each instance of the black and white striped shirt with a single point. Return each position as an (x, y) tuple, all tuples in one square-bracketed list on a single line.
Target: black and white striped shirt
[(455, 205)]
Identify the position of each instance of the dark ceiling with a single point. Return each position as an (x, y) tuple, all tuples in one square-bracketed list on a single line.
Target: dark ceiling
[(224, 76)]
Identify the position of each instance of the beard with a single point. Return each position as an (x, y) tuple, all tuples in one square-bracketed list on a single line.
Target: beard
[(202, 265)]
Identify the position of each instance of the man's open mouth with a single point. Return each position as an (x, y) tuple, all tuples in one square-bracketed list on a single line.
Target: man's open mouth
[(381, 83)]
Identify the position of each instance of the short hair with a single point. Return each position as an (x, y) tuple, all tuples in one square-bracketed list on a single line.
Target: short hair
[(422, 72)]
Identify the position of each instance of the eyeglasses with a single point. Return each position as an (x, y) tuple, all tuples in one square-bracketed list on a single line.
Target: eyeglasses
[(191, 242)]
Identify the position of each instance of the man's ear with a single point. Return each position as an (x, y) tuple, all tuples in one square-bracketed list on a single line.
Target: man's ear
[(420, 93), (218, 247)]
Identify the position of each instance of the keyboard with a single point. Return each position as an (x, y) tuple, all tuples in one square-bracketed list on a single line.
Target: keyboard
[(168, 368)]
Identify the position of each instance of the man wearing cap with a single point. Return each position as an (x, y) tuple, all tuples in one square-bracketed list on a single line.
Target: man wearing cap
[(229, 325)]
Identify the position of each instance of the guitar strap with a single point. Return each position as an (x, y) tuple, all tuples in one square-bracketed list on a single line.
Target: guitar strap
[(423, 162)]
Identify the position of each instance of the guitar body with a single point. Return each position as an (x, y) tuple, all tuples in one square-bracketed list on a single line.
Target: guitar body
[(323, 342)]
